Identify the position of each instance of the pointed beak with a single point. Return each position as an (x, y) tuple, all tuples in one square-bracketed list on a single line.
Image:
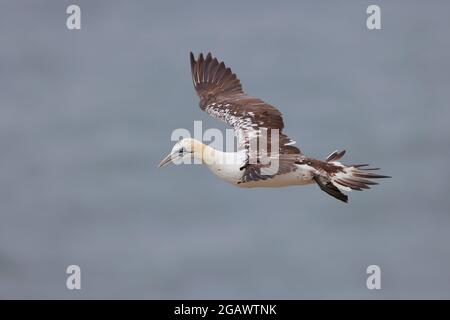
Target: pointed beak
[(168, 159)]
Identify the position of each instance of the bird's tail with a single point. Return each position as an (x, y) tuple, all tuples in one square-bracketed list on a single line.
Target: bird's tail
[(334, 177)]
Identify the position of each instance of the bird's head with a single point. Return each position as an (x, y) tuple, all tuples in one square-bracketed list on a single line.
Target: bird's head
[(185, 149)]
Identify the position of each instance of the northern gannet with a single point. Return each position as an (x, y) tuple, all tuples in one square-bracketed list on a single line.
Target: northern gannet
[(222, 97)]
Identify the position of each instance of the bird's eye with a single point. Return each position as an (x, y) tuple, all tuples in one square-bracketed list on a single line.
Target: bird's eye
[(181, 151)]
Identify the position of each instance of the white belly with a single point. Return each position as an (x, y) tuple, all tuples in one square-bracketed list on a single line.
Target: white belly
[(227, 166), (303, 175), (232, 174)]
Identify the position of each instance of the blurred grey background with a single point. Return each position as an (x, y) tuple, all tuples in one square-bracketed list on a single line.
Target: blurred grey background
[(85, 116)]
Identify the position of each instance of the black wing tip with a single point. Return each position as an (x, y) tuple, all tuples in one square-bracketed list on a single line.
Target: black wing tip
[(211, 77), (200, 54), (192, 58), (201, 57)]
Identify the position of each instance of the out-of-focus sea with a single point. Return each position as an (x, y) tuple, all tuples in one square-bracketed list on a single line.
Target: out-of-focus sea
[(85, 117)]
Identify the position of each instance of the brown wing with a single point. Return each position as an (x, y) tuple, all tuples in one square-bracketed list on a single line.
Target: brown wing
[(221, 96)]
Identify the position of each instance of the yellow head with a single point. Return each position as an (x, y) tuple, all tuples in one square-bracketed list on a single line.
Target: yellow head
[(186, 148)]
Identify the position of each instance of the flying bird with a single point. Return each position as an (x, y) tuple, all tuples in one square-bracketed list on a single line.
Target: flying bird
[(274, 163)]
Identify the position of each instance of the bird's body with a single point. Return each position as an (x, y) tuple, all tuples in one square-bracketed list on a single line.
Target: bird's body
[(266, 156), (228, 167)]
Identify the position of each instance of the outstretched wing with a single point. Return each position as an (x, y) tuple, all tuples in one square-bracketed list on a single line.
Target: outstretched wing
[(221, 96)]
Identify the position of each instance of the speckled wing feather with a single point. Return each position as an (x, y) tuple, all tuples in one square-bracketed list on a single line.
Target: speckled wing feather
[(222, 97)]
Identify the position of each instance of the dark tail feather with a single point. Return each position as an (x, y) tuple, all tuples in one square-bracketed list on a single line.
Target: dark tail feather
[(335, 156), (329, 188)]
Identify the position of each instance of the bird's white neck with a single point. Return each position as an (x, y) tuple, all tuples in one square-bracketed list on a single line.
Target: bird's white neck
[(226, 165), (215, 157)]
